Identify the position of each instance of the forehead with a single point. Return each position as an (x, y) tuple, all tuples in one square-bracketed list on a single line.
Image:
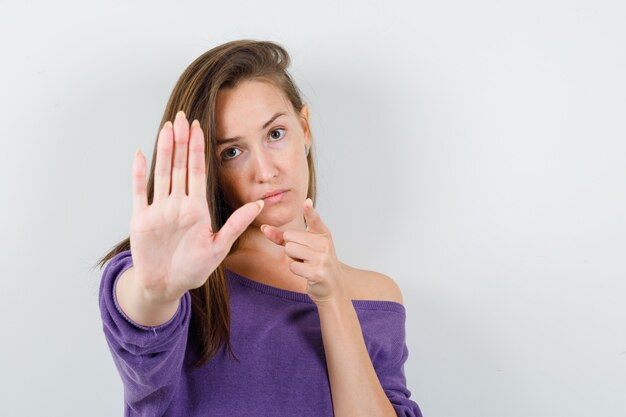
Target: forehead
[(247, 106)]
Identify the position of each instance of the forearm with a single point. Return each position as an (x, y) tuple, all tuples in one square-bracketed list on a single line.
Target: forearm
[(131, 299), (355, 388)]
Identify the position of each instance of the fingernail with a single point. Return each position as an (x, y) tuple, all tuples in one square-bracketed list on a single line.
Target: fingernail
[(263, 228), (168, 124), (180, 114), (261, 203), (195, 123), (309, 202)]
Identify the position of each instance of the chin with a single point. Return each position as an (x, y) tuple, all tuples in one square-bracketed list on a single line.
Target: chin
[(276, 216)]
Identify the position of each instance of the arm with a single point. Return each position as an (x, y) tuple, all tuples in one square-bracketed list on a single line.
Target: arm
[(355, 388), (137, 306), (149, 359)]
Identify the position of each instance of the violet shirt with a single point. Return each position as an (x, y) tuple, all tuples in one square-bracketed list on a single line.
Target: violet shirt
[(276, 335)]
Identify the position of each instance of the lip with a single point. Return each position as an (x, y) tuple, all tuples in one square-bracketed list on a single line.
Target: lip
[(273, 192)]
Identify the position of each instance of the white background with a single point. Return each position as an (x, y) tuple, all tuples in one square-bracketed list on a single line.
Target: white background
[(472, 151)]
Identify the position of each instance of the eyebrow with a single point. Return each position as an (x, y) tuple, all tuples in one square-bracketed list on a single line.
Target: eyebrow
[(227, 140)]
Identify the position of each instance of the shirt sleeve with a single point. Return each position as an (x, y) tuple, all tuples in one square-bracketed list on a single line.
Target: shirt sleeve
[(148, 359), (390, 368)]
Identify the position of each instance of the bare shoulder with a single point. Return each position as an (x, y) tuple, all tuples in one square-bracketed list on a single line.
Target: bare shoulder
[(372, 285)]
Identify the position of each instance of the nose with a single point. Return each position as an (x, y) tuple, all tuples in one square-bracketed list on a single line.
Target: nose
[(263, 164)]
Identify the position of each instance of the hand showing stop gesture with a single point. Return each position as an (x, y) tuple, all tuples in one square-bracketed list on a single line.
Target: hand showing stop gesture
[(173, 246)]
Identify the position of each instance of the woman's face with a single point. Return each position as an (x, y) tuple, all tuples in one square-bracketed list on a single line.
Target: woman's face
[(267, 152)]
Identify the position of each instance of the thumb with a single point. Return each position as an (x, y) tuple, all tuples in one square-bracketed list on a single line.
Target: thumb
[(237, 223)]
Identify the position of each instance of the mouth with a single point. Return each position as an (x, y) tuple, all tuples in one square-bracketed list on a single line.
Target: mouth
[(274, 193), (275, 198)]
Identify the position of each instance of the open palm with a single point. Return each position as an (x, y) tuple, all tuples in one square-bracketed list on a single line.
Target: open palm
[(173, 245)]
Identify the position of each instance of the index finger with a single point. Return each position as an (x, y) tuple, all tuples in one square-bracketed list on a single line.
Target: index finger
[(197, 165)]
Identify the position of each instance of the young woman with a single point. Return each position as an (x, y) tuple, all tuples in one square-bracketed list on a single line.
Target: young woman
[(229, 251)]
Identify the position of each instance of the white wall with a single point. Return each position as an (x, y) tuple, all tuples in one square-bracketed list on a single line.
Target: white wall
[(473, 151)]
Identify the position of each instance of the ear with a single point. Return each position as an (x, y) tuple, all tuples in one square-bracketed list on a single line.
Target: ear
[(304, 116)]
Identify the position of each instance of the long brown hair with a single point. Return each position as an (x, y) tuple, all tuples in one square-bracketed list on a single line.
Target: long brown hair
[(195, 93)]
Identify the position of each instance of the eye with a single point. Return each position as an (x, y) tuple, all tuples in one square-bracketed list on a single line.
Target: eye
[(226, 150), (276, 130), (226, 158)]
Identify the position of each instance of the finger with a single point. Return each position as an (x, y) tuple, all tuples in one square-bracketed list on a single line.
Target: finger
[(163, 166), (300, 269), (299, 252), (181, 143), (313, 220), (140, 200), (236, 224), (312, 240), (197, 170), (273, 233)]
